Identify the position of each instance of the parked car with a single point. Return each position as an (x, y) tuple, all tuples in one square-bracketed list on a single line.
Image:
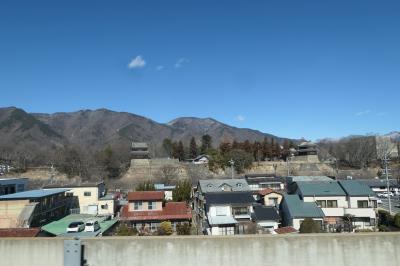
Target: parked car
[(92, 226), (75, 227), (379, 201), (385, 194)]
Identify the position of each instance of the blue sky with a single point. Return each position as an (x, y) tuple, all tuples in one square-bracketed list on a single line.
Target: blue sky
[(296, 68)]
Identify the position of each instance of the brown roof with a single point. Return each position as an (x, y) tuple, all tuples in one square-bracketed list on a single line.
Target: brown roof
[(146, 195), (267, 191), (19, 232), (171, 211), (286, 230)]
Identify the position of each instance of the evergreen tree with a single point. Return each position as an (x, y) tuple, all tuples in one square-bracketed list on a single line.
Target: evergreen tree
[(181, 151), (167, 146), (182, 191), (145, 186), (206, 143), (193, 152)]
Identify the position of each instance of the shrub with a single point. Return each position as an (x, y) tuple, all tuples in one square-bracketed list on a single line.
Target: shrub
[(165, 229), (383, 228), (309, 226), (183, 229), (397, 220), (385, 218), (124, 230)]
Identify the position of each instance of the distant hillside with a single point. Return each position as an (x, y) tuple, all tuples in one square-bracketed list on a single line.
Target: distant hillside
[(93, 129)]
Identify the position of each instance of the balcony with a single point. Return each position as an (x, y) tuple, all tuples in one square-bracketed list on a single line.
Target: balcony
[(360, 212)]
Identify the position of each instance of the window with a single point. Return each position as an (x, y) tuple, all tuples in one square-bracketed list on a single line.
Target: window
[(362, 203), (327, 203), (321, 203), (137, 205), (273, 201), (240, 211), (69, 194), (87, 193), (151, 205), (104, 207), (226, 230), (331, 203)]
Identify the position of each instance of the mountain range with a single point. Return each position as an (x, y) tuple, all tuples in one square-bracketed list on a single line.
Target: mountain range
[(94, 129)]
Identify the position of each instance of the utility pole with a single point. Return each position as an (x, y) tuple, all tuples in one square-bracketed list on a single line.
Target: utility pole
[(232, 163), (386, 160)]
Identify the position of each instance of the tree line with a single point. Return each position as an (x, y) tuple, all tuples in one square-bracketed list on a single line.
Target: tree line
[(242, 153)]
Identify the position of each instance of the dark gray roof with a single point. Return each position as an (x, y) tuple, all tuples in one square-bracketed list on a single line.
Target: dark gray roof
[(265, 213), (231, 198), (320, 188), (378, 182), (33, 194), (217, 185), (355, 188), (300, 209)]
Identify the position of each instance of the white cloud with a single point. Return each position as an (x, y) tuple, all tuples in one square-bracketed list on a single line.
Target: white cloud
[(240, 118), (137, 62), (181, 62), (363, 113), (159, 68)]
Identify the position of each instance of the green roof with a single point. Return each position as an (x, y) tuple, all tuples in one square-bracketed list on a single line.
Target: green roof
[(355, 188), (314, 188), (300, 209), (60, 227)]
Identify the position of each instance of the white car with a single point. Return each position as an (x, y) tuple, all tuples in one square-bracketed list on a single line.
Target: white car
[(75, 227), (92, 226)]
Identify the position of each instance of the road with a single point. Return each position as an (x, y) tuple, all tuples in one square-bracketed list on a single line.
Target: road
[(395, 202)]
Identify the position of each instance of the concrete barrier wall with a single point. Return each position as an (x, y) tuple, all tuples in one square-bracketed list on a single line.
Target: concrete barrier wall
[(307, 250)]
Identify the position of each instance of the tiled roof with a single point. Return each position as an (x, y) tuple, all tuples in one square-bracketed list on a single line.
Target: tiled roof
[(286, 230), (266, 191), (19, 232), (146, 195), (242, 197), (355, 188), (171, 211)]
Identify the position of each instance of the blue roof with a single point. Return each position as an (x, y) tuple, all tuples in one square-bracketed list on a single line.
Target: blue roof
[(355, 188), (321, 188), (300, 209), (30, 194), (163, 187)]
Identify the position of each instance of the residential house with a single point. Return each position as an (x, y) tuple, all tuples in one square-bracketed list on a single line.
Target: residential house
[(12, 185), (362, 203), (269, 197), (294, 211), (338, 200), (291, 181), (146, 210), (32, 208), (201, 159), (227, 213), (258, 182), (90, 198), (210, 186), (267, 218)]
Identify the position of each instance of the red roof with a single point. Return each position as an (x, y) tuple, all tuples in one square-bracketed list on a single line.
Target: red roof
[(171, 211), (267, 191), (146, 195), (19, 232), (285, 230)]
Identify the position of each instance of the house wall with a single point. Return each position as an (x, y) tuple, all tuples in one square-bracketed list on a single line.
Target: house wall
[(145, 206), (272, 224), (222, 210), (10, 211), (86, 201), (272, 195), (331, 212), (111, 207)]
